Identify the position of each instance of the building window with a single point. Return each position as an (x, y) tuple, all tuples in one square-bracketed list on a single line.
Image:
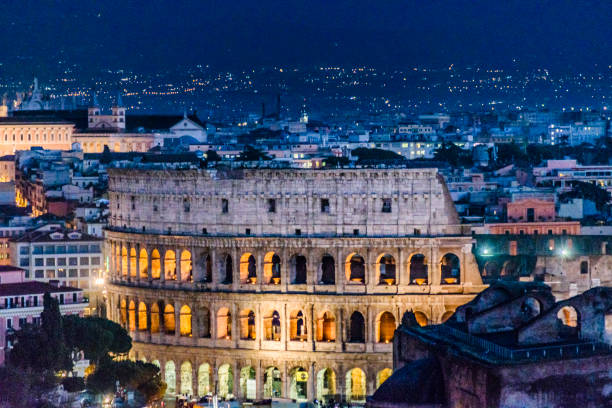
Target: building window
[(224, 206), (298, 232), (271, 205), (584, 267), (513, 248), (38, 261), (325, 205), (356, 232), (386, 207), (73, 261), (248, 231), (186, 206)]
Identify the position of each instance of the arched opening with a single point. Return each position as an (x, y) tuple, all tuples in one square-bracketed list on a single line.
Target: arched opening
[(491, 270), (144, 264), (169, 321), (132, 316), (450, 269), (170, 376), (156, 363), (122, 312), (185, 321), (297, 268), (170, 265), (447, 315), (418, 270), (386, 270), (530, 308), (357, 328), (510, 269), (224, 324), (248, 384), (247, 325), (421, 318), (203, 322), (386, 327), (328, 270), (298, 389), (584, 267), (142, 316), (355, 385), (226, 268), (326, 384), (118, 267), (248, 269), (272, 326), (382, 376), (155, 265), (297, 326), (272, 386), (272, 264), (186, 267), (155, 318), (208, 269), (186, 378), (225, 383), (133, 268), (204, 379), (568, 316), (354, 269), (124, 261), (326, 327)]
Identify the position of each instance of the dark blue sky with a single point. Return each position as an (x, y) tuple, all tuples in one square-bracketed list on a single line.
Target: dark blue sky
[(159, 35)]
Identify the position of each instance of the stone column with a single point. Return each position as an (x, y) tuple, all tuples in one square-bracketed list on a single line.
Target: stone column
[(340, 276), (401, 270), (149, 269), (236, 387), (179, 277), (370, 332), (149, 322), (339, 329), (177, 320), (214, 279), (284, 270), (312, 379), (235, 325), (259, 380), (137, 263), (194, 378), (162, 265), (129, 262), (195, 323)]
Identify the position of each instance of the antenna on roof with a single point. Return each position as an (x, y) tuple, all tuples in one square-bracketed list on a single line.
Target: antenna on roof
[(119, 100)]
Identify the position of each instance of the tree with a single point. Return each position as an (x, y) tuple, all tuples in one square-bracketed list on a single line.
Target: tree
[(589, 191), (96, 336), (212, 156), (454, 155), (365, 155), (511, 153), (335, 162), (252, 154)]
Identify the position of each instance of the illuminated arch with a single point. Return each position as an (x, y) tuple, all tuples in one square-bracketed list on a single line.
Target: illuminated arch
[(170, 376), (326, 384), (155, 264), (326, 327), (124, 261), (247, 325), (186, 378), (123, 312), (155, 318), (248, 268), (132, 316), (272, 383), (204, 379), (248, 389), (170, 265), (272, 269), (169, 320), (385, 325), (225, 383), (450, 269), (355, 385), (297, 326), (382, 376), (385, 268), (418, 270), (142, 316), (186, 267), (272, 326), (224, 324), (298, 270), (185, 321), (327, 273), (144, 263), (355, 269), (357, 328), (298, 388), (133, 268)]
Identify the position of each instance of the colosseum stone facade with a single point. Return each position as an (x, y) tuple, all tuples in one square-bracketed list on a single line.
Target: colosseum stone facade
[(281, 282)]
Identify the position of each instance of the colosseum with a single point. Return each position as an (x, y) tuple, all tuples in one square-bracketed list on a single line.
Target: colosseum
[(258, 283)]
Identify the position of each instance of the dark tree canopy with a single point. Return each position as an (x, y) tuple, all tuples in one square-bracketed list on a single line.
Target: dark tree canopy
[(252, 154), (96, 336), (365, 155), (454, 155), (593, 192)]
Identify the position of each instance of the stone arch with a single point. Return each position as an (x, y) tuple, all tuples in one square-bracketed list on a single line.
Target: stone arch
[(248, 268), (156, 363), (169, 320), (186, 378), (155, 318), (203, 319), (355, 269), (355, 385), (298, 387), (224, 323), (326, 327), (298, 270), (385, 327), (122, 312), (510, 268), (226, 269), (170, 265), (204, 379), (357, 328), (248, 329), (530, 308), (272, 269), (326, 384), (447, 315), (297, 326), (272, 383), (568, 316), (386, 270), (450, 269), (421, 318), (132, 316), (272, 326), (155, 264), (185, 321), (133, 263), (327, 270), (124, 261), (144, 263), (248, 386), (142, 316), (186, 266), (118, 263), (382, 376), (225, 378), (207, 269), (491, 269), (418, 269), (170, 377)]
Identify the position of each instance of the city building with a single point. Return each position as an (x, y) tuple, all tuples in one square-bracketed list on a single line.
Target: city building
[(22, 133), (21, 301), (267, 282), (512, 346)]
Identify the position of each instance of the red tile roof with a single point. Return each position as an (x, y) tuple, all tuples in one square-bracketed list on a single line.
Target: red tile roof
[(33, 288)]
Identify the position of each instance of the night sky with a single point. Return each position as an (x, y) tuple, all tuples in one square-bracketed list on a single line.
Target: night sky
[(156, 34)]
